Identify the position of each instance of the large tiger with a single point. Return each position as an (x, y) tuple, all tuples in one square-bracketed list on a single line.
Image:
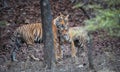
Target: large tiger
[(32, 33)]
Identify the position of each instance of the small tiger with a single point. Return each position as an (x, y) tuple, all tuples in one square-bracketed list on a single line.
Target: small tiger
[(80, 37), (32, 33), (77, 37)]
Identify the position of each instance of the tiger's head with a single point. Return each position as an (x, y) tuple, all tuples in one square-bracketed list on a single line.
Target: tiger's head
[(61, 23)]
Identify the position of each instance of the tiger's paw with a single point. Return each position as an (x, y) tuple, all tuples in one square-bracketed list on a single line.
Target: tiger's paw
[(34, 58), (59, 62), (14, 60)]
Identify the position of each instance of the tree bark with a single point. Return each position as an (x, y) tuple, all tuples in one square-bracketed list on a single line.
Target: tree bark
[(90, 51), (47, 33)]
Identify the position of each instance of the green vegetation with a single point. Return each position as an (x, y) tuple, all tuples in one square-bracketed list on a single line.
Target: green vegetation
[(3, 23), (106, 17)]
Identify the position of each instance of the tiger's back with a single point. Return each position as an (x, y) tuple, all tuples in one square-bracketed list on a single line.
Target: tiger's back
[(29, 33)]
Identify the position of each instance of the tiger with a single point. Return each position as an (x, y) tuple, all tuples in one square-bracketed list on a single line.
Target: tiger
[(82, 40), (33, 33)]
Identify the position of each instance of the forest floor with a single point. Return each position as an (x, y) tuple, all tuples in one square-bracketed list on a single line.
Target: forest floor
[(106, 49)]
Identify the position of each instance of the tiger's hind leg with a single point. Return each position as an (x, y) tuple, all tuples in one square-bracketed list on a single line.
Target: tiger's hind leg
[(15, 49)]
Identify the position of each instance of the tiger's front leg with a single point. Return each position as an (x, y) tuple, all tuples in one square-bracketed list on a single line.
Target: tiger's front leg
[(16, 47), (57, 50)]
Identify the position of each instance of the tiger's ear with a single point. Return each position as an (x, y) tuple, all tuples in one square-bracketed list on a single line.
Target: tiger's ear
[(60, 14), (67, 16)]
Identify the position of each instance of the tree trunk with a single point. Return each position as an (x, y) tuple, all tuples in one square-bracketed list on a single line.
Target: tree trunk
[(90, 51), (47, 33)]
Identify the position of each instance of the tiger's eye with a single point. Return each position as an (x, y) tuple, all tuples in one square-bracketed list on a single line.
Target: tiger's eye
[(60, 19)]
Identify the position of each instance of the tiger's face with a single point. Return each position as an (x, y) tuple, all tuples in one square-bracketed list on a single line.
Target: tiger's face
[(61, 22), (63, 27)]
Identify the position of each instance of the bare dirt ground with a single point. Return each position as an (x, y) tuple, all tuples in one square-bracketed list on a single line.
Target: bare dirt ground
[(106, 49)]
